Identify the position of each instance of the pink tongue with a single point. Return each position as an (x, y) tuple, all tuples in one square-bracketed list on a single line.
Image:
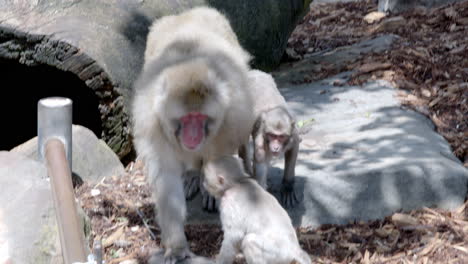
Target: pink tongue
[(192, 132)]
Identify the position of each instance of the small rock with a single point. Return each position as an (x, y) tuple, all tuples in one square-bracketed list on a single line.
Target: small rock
[(426, 93), (95, 192), (129, 261), (373, 17)]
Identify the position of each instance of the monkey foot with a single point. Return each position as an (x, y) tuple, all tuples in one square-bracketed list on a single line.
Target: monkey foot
[(191, 184)]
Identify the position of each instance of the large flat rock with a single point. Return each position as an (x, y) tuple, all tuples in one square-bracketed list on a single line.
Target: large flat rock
[(364, 155)]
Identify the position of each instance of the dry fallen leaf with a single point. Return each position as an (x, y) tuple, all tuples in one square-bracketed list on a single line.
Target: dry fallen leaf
[(373, 17), (108, 241)]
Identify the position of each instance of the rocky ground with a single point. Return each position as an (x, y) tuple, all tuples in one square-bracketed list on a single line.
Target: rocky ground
[(428, 62)]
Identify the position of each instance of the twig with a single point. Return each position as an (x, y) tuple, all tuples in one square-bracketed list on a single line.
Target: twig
[(140, 214)]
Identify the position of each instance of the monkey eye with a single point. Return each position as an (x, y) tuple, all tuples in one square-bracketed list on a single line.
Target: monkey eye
[(280, 138)]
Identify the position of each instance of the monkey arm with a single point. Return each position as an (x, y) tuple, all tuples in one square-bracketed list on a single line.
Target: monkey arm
[(288, 193), (244, 155), (165, 175), (290, 157), (261, 162)]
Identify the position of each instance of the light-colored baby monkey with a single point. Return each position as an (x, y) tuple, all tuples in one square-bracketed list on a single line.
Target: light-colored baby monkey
[(253, 221), (191, 103), (274, 134)]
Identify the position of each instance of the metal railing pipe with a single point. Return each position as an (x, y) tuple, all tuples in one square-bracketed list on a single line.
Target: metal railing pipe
[(55, 149), (54, 120)]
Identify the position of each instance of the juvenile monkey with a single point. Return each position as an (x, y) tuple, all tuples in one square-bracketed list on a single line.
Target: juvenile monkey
[(191, 103), (274, 134), (253, 221)]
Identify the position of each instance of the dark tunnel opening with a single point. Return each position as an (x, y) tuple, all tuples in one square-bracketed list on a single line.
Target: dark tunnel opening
[(23, 86)]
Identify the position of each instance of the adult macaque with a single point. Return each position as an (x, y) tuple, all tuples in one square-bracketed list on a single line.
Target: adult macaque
[(274, 134), (253, 221), (191, 103)]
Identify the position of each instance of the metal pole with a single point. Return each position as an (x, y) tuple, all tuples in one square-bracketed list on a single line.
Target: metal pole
[(54, 120), (54, 131), (97, 250)]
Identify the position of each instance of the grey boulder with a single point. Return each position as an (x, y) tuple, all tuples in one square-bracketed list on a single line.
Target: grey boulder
[(28, 229), (92, 158)]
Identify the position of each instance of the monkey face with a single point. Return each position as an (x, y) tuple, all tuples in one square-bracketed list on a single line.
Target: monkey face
[(193, 129), (276, 143), (277, 130), (195, 106)]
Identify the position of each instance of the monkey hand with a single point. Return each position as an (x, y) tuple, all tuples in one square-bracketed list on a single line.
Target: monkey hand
[(289, 197), (209, 203), (191, 183)]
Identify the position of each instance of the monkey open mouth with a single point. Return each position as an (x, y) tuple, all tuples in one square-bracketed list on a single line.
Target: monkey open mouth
[(193, 129)]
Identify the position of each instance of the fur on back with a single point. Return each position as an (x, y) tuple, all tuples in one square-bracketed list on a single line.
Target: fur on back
[(265, 92), (201, 25)]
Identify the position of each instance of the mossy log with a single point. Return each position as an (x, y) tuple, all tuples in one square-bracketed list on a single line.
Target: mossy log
[(102, 43)]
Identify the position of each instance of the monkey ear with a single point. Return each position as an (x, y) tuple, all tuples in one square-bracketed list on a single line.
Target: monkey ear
[(293, 124), (221, 179)]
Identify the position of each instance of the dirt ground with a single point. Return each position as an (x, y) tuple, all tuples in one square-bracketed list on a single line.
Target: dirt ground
[(122, 217), (429, 63)]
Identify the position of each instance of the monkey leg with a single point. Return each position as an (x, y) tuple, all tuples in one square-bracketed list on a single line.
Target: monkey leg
[(261, 173), (209, 203), (170, 209), (228, 251), (191, 183), (259, 250)]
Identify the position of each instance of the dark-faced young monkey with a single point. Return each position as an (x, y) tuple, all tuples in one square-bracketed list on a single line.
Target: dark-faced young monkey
[(192, 102), (274, 134)]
